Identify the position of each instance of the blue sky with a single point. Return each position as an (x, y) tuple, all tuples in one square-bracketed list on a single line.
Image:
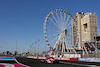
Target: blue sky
[(22, 20)]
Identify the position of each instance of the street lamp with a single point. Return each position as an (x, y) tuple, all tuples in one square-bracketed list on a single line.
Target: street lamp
[(38, 46), (32, 47), (35, 47)]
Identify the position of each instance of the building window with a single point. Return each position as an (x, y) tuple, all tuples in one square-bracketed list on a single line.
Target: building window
[(85, 27)]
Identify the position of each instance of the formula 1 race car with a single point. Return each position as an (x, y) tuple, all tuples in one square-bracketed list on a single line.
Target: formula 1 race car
[(49, 60)]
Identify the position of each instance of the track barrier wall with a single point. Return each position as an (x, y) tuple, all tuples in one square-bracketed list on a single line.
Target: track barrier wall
[(89, 59), (63, 59), (6, 58), (71, 59)]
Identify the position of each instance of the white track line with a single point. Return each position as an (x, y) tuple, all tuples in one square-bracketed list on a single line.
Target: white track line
[(77, 64), (20, 63)]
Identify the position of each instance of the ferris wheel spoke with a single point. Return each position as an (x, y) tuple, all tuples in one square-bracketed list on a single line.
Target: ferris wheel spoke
[(54, 22), (68, 24), (57, 41), (61, 20), (68, 41), (67, 20), (68, 45), (69, 36), (53, 30), (64, 18), (58, 17), (54, 40), (69, 33), (53, 35), (55, 18), (69, 27), (53, 26)]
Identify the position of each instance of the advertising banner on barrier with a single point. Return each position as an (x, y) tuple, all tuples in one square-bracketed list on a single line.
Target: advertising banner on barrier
[(81, 59), (65, 59), (73, 59), (41, 57), (89, 59)]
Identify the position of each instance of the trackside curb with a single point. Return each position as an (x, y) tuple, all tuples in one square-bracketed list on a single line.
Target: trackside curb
[(20, 63)]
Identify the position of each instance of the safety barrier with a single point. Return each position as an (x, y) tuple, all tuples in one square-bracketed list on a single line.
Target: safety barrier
[(71, 59), (89, 59), (6, 58), (63, 59)]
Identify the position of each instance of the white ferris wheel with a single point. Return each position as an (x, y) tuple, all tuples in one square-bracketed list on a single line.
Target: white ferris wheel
[(58, 32)]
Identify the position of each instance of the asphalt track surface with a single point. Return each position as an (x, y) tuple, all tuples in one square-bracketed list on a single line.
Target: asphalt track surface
[(38, 63)]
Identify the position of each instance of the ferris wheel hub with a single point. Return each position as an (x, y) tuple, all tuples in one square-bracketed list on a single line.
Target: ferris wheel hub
[(64, 32)]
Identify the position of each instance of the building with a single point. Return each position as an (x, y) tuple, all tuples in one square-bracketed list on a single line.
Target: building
[(89, 28), (86, 26)]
